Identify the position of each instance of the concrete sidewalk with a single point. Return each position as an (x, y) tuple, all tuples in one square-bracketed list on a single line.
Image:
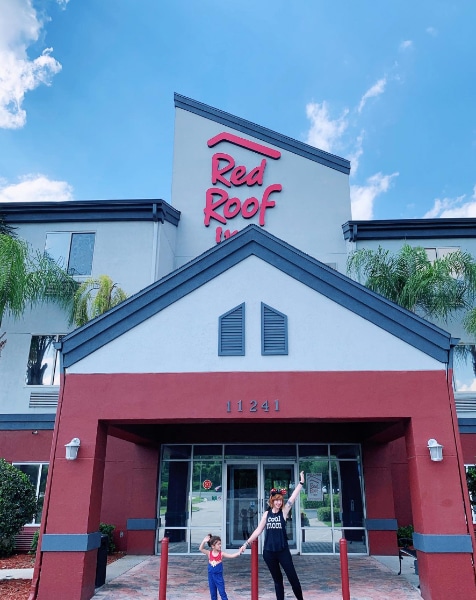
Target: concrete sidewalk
[(371, 578), (16, 573)]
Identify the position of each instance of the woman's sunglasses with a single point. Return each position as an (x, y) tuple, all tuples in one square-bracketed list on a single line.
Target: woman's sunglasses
[(274, 491)]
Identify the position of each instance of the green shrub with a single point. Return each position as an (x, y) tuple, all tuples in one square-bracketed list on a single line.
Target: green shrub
[(108, 530), (406, 534), (471, 481), (324, 513), (305, 503), (34, 542), (18, 505)]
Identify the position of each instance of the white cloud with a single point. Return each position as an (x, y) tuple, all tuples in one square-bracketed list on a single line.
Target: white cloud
[(405, 45), (19, 28), (324, 132), (62, 3), (432, 31), (35, 188), (377, 89), (453, 208), (356, 153), (464, 387), (363, 196)]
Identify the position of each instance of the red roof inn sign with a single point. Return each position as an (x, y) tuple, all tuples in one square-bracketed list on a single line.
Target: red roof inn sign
[(221, 205)]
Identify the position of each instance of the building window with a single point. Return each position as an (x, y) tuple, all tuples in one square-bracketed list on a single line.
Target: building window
[(471, 495), (464, 368), (36, 473), (434, 253), (73, 251), (231, 332), (43, 366), (274, 331)]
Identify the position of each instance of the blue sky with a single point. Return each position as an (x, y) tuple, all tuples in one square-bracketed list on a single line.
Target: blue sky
[(86, 93)]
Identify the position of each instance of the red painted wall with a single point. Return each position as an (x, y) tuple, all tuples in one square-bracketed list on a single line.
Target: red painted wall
[(91, 401), (22, 446), (202, 396), (468, 443), (130, 492)]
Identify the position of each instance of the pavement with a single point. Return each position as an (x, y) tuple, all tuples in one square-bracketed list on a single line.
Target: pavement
[(16, 573), (371, 578)]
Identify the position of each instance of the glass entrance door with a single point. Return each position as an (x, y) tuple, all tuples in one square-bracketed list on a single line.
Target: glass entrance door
[(247, 492)]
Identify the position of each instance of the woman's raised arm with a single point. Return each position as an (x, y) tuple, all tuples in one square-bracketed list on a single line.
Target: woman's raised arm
[(294, 495)]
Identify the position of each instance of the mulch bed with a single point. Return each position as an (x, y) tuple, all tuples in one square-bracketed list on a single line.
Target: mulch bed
[(19, 589)]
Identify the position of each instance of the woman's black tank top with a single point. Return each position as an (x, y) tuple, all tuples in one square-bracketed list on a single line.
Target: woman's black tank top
[(276, 538)]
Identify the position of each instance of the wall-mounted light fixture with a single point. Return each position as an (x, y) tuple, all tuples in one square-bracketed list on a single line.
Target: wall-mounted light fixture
[(72, 449), (436, 450)]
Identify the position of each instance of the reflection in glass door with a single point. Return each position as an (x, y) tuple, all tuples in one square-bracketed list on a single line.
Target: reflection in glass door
[(281, 476), (248, 488), (241, 503)]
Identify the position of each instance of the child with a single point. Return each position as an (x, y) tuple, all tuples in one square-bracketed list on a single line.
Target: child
[(215, 566)]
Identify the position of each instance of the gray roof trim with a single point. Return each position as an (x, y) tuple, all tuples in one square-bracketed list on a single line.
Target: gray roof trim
[(262, 133), (403, 229), (252, 240), (89, 210), (27, 421), (467, 425)]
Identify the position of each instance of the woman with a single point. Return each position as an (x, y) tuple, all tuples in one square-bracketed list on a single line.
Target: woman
[(276, 551)]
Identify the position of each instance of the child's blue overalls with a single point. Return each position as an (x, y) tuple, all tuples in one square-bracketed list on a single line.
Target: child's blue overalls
[(215, 577)]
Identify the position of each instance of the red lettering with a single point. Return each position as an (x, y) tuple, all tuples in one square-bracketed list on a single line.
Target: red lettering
[(238, 177), (227, 234), (210, 205), (265, 203), (256, 174), (228, 210), (248, 212), (217, 171)]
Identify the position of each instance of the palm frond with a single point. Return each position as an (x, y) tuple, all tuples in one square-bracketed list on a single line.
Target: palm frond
[(94, 297), (28, 279)]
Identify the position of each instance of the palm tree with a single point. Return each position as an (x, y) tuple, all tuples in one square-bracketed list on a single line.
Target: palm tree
[(6, 229), (28, 279), (94, 297), (433, 289)]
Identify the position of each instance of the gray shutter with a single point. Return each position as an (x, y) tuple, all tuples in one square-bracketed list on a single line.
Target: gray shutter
[(231, 332), (274, 331)]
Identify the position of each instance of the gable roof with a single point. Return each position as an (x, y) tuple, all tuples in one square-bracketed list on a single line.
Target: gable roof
[(254, 241), (262, 133)]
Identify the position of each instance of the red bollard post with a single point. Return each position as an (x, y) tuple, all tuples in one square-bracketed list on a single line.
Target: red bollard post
[(344, 569), (254, 570), (164, 562)]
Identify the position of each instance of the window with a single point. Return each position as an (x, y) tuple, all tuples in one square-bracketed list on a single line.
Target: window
[(434, 253), (73, 251), (36, 473), (274, 331), (471, 480), (43, 361), (231, 332), (464, 368)]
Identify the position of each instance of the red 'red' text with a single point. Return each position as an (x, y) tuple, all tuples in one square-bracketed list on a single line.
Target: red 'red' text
[(221, 205)]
